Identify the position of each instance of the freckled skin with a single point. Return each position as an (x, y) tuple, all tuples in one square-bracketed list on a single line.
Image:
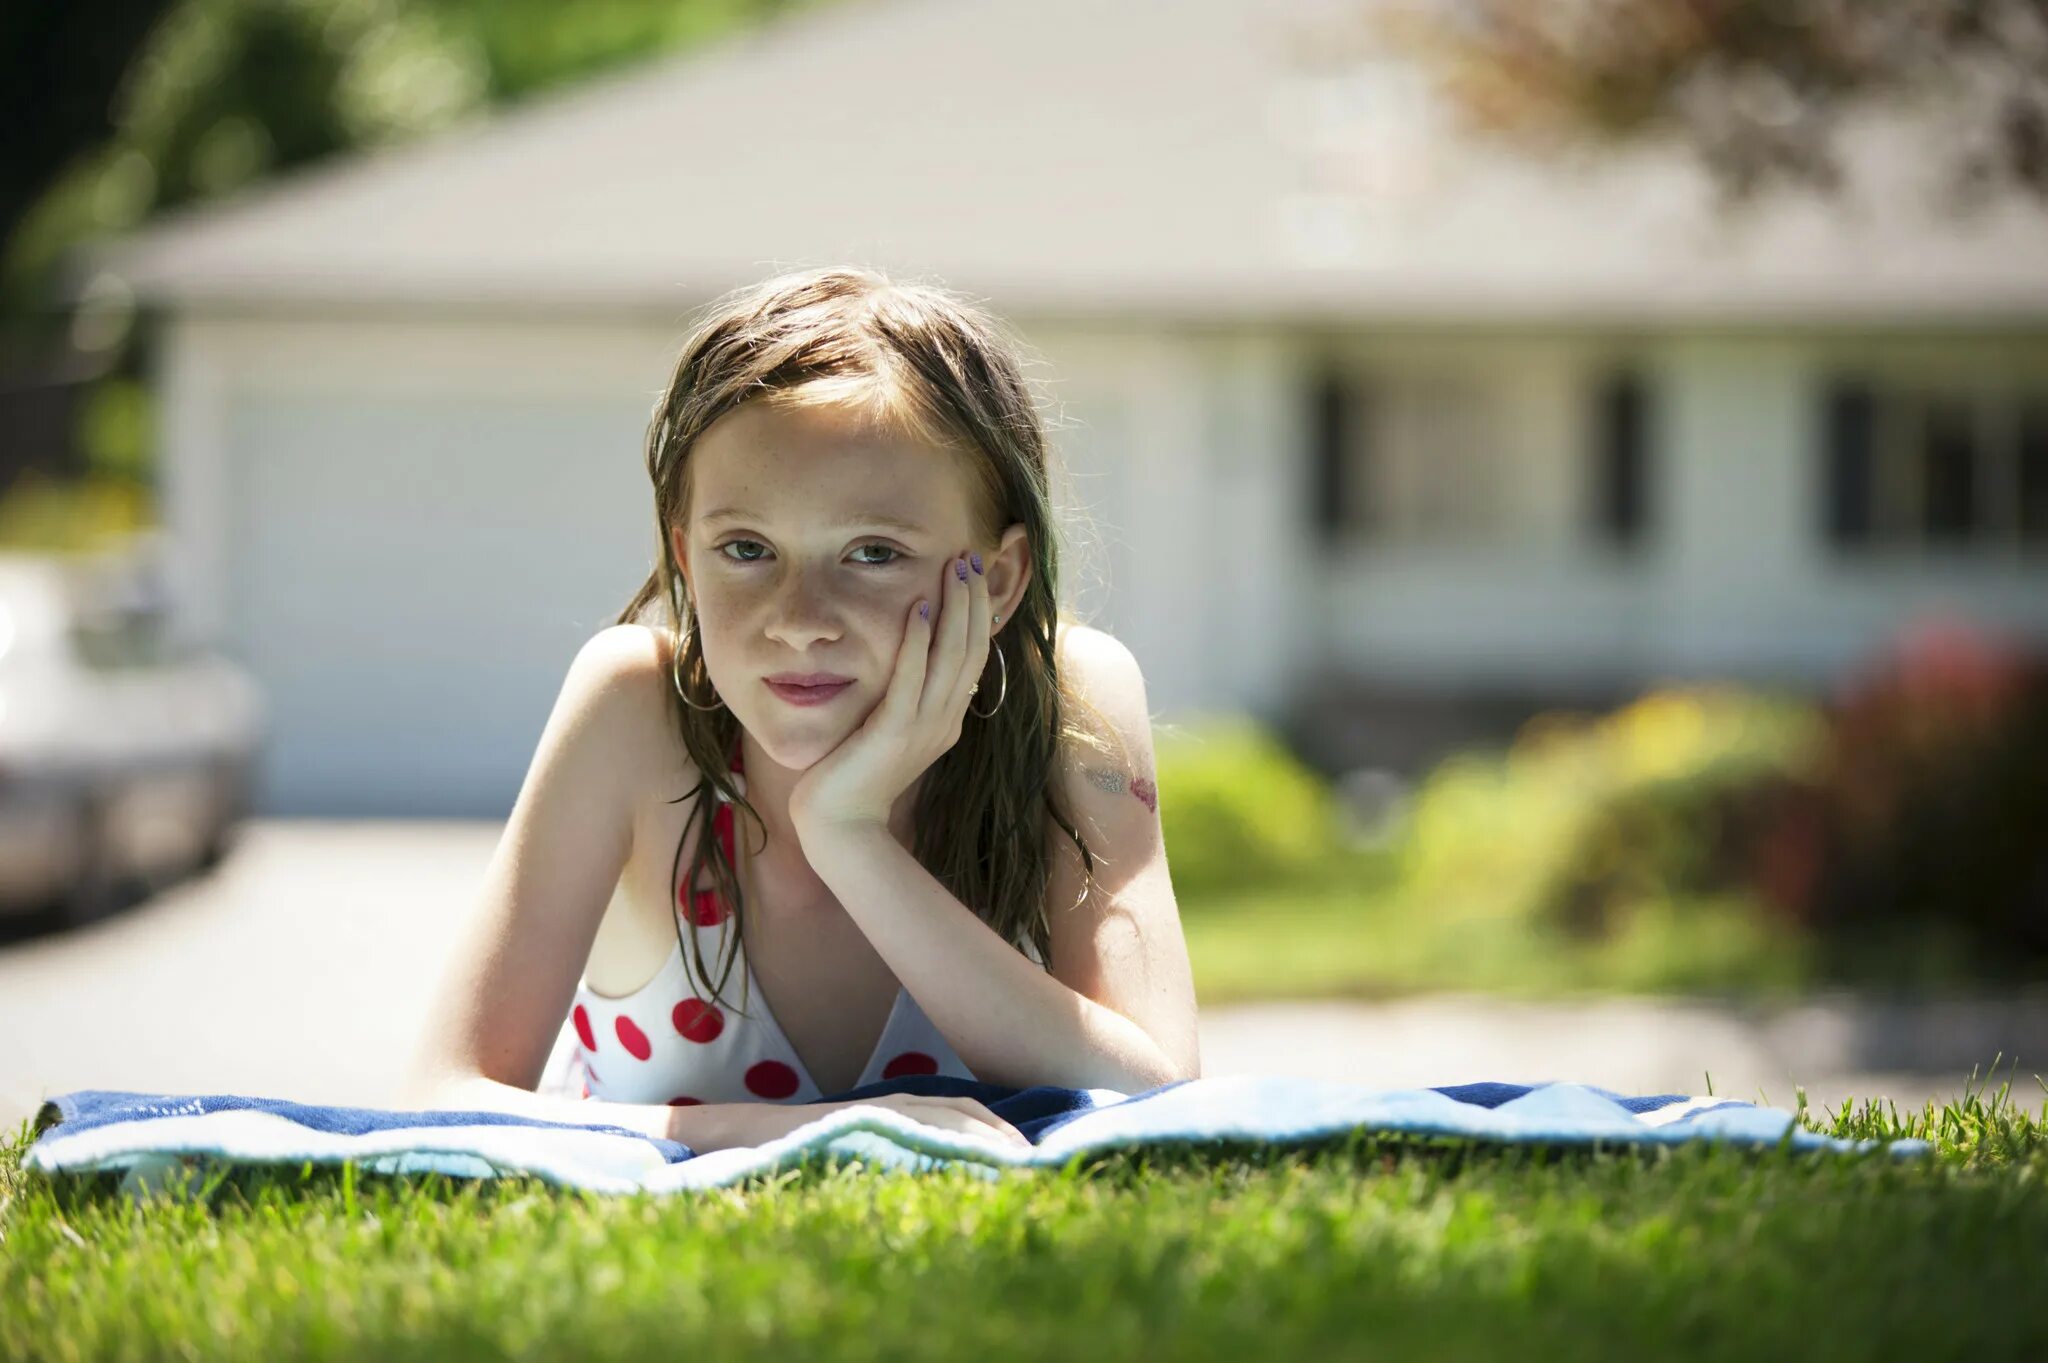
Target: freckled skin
[(787, 587)]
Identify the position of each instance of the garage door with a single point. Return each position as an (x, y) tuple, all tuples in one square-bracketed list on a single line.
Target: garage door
[(408, 578)]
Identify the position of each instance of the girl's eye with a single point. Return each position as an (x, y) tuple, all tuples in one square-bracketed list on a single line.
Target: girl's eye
[(891, 550)]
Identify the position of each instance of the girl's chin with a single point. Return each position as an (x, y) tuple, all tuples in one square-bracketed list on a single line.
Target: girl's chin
[(800, 739)]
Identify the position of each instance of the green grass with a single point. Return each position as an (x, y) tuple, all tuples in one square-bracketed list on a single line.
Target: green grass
[(1362, 1248), (1351, 932)]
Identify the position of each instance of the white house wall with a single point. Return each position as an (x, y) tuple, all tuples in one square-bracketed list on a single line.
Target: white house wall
[(1746, 582), (1255, 628), (405, 531), (1733, 572), (1184, 455), (1733, 578)]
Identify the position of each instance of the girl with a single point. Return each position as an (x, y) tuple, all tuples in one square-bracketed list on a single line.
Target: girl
[(951, 863)]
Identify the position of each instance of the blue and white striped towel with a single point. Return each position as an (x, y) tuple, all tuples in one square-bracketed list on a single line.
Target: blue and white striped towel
[(152, 1134)]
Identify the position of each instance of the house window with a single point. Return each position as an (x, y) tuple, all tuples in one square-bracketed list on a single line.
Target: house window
[(1850, 452), (1405, 454), (1439, 474), (1335, 453), (1620, 458), (1949, 454), (2033, 474), (1907, 466)]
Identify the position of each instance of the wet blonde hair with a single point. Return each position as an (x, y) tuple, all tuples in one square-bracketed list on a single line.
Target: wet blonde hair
[(916, 360)]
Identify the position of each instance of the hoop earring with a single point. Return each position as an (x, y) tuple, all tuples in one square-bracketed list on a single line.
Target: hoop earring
[(674, 670), (1001, 694)]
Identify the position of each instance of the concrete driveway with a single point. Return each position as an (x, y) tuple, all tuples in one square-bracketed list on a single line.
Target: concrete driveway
[(302, 966)]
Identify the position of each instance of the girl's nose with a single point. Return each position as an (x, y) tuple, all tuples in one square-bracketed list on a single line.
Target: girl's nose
[(802, 603)]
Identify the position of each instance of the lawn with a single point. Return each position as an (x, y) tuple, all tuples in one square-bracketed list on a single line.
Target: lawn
[(1368, 1247), (1348, 935)]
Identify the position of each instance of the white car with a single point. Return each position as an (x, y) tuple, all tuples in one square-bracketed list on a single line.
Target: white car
[(125, 755)]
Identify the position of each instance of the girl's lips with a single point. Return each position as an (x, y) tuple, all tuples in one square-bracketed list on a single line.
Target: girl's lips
[(807, 695)]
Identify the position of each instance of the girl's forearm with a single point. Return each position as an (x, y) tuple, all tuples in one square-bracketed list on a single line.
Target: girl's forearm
[(703, 1127), (1009, 1020)]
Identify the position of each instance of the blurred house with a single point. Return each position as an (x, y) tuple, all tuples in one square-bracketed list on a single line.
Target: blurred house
[(1378, 433)]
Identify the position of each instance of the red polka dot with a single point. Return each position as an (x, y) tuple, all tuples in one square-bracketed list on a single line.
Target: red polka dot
[(697, 1020), (771, 1079), (685, 1101), (583, 1032), (707, 908), (632, 1038), (910, 1062)]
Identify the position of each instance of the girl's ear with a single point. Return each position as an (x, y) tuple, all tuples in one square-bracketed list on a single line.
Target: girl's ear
[(1010, 572)]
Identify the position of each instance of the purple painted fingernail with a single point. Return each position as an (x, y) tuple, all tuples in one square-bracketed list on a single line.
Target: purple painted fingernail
[(960, 568), (976, 560), (924, 608)]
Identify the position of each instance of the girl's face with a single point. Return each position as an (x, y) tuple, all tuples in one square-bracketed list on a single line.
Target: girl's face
[(810, 539)]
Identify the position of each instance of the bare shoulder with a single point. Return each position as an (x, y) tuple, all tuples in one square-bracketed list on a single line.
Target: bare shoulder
[(617, 665), (1100, 669), (1077, 644), (622, 649), (621, 677), (1105, 678)]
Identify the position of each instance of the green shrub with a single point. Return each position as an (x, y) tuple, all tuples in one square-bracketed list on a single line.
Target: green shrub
[(1926, 807), (1238, 810), (1688, 796), (1581, 818)]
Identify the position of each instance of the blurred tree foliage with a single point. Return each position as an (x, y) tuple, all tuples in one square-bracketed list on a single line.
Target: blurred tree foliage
[(123, 110), (62, 63), (1759, 88), (528, 45)]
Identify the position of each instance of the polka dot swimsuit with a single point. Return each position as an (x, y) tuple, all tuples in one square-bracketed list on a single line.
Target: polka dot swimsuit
[(668, 1043)]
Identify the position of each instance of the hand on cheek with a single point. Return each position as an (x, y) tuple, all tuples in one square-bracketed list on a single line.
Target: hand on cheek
[(944, 649)]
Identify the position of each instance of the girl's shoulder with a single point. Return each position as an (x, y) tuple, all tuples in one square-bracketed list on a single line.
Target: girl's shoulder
[(630, 664), (1083, 654), (624, 657), (1101, 674)]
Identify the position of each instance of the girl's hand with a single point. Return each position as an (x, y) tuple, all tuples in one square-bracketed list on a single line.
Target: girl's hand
[(948, 1114), (918, 719), (754, 1123)]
